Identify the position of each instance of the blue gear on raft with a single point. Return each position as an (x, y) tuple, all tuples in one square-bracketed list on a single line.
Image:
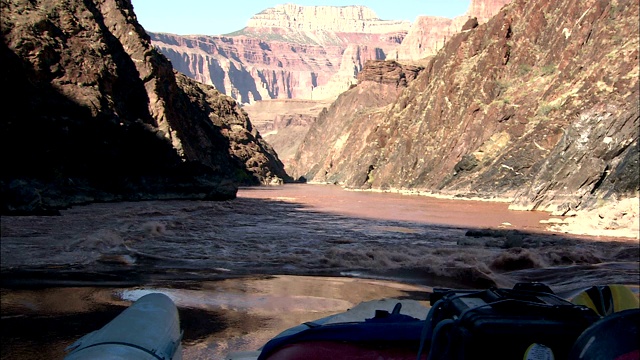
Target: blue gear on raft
[(526, 322)]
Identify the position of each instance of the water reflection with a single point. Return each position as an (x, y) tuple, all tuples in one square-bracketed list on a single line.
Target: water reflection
[(216, 316), (177, 247)]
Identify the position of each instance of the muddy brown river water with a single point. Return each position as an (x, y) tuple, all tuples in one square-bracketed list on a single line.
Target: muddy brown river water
[(241, 271)]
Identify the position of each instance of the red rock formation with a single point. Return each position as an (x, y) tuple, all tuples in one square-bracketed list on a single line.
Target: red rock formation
[(426, 36), (388, 73), (295, 52), (538, 105), (333, 19), (331, 145), (286, 52), (429, 33), (484, 10), (308, 52)]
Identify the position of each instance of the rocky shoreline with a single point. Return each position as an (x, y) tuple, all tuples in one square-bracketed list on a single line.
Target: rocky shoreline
[(613, 218)]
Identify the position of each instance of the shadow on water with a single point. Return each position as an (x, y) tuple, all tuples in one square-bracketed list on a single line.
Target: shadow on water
[(182, 241), (44, 335)]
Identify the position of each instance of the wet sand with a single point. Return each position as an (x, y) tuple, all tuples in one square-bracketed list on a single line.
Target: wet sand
[(244, 270)]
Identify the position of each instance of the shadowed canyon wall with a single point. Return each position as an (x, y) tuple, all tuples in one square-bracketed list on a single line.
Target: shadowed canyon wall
[(92, 112), (310, 53)]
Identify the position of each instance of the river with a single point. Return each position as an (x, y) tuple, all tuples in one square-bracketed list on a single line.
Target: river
[(243, 270)]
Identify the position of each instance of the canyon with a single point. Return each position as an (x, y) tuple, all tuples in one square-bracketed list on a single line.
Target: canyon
[(286, 52), (159, 181), (292, 55), (535, 105), (308, 52)]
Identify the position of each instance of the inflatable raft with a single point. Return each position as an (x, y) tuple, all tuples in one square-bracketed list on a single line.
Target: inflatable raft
[(526, 322), (147, 330)]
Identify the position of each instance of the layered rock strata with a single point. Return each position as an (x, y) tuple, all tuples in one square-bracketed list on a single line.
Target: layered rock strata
[(428, 34), (286, 52), (306, 53), (335, 19), (537, 106)]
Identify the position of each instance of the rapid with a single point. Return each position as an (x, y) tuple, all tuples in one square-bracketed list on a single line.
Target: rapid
[(243, 270)]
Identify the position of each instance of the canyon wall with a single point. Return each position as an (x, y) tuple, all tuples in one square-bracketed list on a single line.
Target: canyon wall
[(428, 34), (335, 19), (308, 52), (92, 112), (538, 106), (286, 52)]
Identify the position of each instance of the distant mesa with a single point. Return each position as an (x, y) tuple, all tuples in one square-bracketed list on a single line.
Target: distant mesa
[(346, 19), (309, 52)]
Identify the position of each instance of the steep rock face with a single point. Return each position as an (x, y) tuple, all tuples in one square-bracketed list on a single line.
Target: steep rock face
[(249, 69), (428, 34), (337, 19), (304, 53), (538, 105), (484, 10), (93, 113), (389, 73), (290, 51), (339, 138), (259, 162), (284, 123)]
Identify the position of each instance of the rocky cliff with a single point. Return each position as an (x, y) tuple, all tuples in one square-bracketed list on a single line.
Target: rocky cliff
[(483, 10), (286, 52), (306, 53), (92, 112), (343, 132), (283, 123), (428, 34), (539, 106), (333, 19)]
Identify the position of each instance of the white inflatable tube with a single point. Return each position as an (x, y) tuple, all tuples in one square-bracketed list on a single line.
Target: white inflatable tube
[(148, 329)]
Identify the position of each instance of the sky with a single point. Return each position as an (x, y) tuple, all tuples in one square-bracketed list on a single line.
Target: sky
[(216, 17)]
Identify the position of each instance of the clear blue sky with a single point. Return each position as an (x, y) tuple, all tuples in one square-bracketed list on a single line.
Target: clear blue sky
[(216, 17)]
